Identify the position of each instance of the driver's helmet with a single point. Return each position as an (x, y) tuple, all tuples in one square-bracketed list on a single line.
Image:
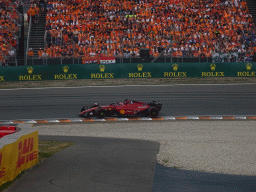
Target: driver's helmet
[(95, 105)]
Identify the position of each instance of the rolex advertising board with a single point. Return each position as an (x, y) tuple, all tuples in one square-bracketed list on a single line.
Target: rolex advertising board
[(138, 70), (102, 71), (141, 71)]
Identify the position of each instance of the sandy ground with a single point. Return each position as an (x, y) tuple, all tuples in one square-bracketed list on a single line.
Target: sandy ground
[(211, 146), (137, 81)]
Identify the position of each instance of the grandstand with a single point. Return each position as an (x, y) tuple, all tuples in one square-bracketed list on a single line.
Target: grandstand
[(134, 31), (11, 33)]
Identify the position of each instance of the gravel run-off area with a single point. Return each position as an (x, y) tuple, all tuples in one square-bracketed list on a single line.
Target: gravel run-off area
[(227, 147)]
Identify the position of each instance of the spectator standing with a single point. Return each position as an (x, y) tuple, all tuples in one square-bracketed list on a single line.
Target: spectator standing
[(30, 53), (40, 52), (32, 12)]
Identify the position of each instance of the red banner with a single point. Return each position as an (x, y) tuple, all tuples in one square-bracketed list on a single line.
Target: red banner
[(107, 60)]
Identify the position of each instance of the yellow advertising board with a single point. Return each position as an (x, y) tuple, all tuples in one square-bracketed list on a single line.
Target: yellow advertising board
[(18, 156)]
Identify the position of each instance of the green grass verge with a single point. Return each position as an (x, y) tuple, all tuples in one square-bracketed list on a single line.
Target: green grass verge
[(45, 149), (49, 148)]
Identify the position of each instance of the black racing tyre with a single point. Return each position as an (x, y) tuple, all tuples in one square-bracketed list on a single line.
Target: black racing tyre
[(153, 112), (100, 113)]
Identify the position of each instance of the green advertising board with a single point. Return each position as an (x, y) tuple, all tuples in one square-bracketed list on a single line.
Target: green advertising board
[(113, 71)]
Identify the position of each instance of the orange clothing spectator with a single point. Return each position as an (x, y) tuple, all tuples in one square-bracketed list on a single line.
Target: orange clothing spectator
[(30, 53), (40, 52), (178, 24)]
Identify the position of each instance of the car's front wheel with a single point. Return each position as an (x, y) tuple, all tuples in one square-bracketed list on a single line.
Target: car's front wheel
[(101, 113), (153, 112)]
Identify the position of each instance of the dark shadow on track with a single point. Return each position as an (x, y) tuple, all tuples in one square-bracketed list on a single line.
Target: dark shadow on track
[(173, 180), (93, 164)]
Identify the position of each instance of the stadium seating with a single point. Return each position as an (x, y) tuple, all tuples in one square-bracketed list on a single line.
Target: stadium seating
[(10, 30), (183, 28)]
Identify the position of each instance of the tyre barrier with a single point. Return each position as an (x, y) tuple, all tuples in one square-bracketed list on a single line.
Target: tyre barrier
[(18, 150)]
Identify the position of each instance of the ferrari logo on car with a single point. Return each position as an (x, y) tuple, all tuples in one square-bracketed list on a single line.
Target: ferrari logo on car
[(122, 111)]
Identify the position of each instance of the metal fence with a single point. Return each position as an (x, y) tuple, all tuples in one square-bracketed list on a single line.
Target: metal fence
[(163, 59)]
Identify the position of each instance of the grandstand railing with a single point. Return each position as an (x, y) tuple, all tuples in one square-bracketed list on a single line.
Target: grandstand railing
[(14, 33), (19, 26), (27, 47), (5, 58), (19, 19), (164, 59)]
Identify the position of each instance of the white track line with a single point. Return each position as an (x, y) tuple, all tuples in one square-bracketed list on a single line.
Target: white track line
[(53, 120), (145, 118), (216, 118), (240, 117), (192, 117), (169, 118)]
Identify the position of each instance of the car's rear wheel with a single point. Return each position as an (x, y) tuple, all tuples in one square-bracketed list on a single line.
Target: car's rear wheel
[(101, 113), (153, 112)]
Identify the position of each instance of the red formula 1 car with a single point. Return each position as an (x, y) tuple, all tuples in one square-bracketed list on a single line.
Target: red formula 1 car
[(127, 108)]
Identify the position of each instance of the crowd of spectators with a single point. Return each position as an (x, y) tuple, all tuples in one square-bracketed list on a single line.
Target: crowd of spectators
[(36, 6), (9, 29), (183, 28), (33, 12)]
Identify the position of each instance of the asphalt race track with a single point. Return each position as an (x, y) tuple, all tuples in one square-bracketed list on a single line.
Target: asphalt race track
[(177, 100)]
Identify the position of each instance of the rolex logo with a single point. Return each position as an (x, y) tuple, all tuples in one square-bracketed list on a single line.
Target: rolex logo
[(213, 66), (65, 69), (139, 66), (102, 68), (175, 67), (30, 70), (248, 66)]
